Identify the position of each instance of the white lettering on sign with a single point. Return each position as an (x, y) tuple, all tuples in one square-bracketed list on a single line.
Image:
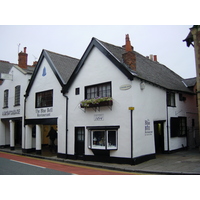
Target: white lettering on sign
[(99, 117), (125, 87), (11, 112), (44, 112)]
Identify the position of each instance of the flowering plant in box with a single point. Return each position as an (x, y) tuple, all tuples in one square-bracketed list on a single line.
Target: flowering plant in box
[(95, 101)]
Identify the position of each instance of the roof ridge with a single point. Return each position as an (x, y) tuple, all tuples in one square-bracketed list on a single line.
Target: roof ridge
[(60, 54)]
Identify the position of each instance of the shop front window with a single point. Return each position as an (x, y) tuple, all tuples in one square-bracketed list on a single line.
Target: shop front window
[(103, 139)]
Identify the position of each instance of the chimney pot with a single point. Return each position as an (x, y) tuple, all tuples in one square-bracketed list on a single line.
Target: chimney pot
[(155, 58), (24, 49), (128, 46)]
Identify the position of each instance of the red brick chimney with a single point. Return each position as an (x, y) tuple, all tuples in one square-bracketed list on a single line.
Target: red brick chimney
[(129, 57), (22, 59)]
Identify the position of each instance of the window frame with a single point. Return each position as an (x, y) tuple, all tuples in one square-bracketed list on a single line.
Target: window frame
[(171, 99), (17, 95), (178, 127), (98, 90), (5, 101), (105, 131), (45, 95)]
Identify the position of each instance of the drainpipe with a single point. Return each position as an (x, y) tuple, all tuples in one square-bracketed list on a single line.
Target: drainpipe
[(24, 123), (131, 109), (66, 121), (167, 129)]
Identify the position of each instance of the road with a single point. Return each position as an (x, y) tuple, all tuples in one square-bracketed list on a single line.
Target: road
[(12, 164)]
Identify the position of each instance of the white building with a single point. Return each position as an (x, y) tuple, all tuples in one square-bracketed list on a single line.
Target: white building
[(113, 105), (151, 110), (45, 104), (12, 89)]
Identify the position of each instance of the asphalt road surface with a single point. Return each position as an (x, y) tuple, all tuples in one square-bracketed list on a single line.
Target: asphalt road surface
[(12, 164)]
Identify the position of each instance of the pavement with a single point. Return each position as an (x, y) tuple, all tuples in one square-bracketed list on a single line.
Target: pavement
[(183, 162)]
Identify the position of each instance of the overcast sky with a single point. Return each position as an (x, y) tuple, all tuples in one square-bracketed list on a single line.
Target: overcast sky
[(165, 41)]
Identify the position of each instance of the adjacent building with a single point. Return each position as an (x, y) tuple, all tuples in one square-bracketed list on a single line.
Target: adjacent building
[(15, 79)]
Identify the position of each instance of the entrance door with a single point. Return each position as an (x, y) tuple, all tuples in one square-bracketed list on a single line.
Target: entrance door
[(159, 136), (18, 133), (79, 142)]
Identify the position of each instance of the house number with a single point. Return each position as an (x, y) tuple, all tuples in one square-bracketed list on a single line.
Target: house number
[(99, 117)]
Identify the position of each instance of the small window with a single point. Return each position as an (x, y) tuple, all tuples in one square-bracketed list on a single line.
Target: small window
[(103, 139), (17, 95), (171, 99), (100, 90), (44, 99), (5, 104), (77, 91)]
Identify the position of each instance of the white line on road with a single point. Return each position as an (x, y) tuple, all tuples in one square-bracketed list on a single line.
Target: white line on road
[(28, 164)]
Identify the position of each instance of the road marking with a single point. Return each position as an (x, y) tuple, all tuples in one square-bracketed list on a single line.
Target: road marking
[(28, 164)]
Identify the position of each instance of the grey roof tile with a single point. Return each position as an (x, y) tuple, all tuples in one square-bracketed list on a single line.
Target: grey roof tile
[(149, 70), (64, 65)]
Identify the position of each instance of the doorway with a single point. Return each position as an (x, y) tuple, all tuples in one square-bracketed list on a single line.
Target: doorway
[(159, 136), (18, 133), (79, 142)]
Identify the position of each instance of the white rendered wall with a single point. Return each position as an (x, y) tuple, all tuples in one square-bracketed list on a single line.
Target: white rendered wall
[(19, 78), (148, 105), (44, 83)]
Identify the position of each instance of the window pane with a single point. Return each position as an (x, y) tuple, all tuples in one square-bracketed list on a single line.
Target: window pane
[(44, 99), (183, 127), (98, 140), (5, 98), (17, 95), (174, 124), (101, 90), (112, 140)]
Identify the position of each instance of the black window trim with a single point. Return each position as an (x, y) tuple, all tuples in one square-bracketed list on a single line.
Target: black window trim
[(17, 102), (99, 84), (40, 93)]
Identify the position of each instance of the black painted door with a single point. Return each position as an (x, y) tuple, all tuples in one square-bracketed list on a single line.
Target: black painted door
[(79, 142), (159, 136)]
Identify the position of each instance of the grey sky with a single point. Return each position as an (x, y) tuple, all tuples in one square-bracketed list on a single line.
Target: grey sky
[(165, 41)]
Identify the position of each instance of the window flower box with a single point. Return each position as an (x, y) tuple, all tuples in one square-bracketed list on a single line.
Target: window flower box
[(97, 102)]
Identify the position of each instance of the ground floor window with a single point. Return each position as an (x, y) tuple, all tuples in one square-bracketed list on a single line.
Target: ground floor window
[(178, 126), (103, 139)]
